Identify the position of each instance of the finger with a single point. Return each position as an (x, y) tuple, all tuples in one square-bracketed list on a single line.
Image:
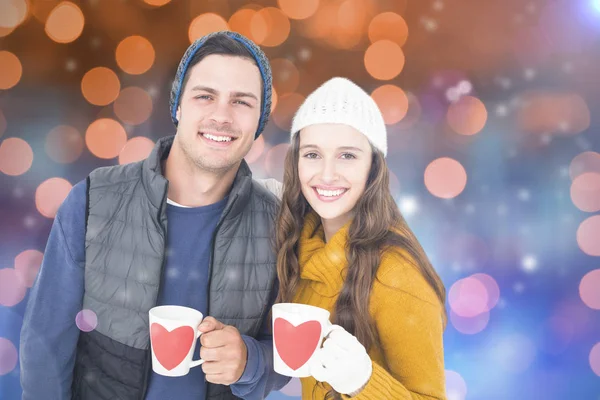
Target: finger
[(210, 324), (212, 367), (209, 354), (215, 378), (215, 339)]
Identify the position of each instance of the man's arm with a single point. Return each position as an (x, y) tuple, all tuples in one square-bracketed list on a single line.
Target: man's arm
[(49, 334)]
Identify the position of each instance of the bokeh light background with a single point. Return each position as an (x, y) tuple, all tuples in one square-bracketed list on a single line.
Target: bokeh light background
[(491, 109)]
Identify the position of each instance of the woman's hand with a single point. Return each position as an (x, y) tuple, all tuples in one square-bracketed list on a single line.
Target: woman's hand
[(342, 362)]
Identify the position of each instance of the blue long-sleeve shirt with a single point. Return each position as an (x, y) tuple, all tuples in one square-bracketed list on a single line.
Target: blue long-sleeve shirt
[(49, 335)]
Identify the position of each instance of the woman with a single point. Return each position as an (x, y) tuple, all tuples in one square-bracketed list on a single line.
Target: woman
[(344, 246)]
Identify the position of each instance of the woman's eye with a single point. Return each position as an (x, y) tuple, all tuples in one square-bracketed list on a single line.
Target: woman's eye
[(348, 156)]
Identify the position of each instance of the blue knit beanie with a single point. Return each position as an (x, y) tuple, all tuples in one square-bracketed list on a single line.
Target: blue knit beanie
[(257, 54)]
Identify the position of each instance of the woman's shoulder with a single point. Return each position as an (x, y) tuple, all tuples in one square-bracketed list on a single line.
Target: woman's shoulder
[(399, 273)]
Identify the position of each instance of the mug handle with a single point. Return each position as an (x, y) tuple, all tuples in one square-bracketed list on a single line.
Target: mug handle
[(195, 363)]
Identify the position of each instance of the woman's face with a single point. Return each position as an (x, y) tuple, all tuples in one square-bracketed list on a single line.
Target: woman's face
[(333, 167)]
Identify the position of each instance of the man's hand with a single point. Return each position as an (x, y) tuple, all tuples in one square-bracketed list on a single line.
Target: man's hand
[(223, 351)]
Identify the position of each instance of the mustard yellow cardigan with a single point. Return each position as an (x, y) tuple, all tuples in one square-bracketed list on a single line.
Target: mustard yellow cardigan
[(408, 363)]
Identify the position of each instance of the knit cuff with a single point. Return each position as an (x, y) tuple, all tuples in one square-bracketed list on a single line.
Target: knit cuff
[(381, 385)]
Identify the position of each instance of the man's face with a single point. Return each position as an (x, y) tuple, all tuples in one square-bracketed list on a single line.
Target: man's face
[(219, 112)]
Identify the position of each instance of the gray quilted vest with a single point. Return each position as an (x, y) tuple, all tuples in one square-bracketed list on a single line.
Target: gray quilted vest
[(125, 251)]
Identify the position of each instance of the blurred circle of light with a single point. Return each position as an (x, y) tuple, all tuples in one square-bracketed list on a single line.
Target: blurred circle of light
[(3, 123), (274, 160), (464, 87), (588, 161), (105, 138), (467, 116), (133, 106), (65, 23), (468, 297), (384, 60), (392, 102), (135, 55), (492, 288), (256, 150), (293, 387), (50, 194), (12, 289), (8, 356), (589, 289), (321, 24), (285, 76), (100, 86), (5, 31), (240, 22), (553, 113), (16, 156), (351, 24), (388, 26), (456, 387), (204, 24), (514, 353), (585, 192), (470, 325), (157, 3), (13, 14), (27, 265), (64, 144), (295, 9), (408, 206), (136, 149), (595, 359), (287, 105), (588, 234), (11, 70), (445, 178), (86, 320), (529, 263), (270, 27)]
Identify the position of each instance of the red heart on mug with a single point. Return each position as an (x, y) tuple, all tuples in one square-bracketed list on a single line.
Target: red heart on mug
[(296, 344), (170, 348)]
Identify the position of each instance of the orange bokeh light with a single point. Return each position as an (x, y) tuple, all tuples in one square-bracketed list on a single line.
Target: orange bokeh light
[(554, 113), (50, 194), (100, 86), (392, 101), (240, 22), (11, 70), (64, 144), (384, 60), (105, 138), (65, 23), (136, 149), (588, 234), (27, 265), (285, 76), (588, 161), (156, 3), (256, 150), (467, 116), (270, 27), (585, 192), (388, 26), (13, 13), (295, 9), (287, 105), (588, 289), (133, 106), (445, 178), (204, 24), (16, 156), (135, 55)]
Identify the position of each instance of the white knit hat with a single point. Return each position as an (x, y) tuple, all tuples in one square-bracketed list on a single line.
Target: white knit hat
[(341, 101)]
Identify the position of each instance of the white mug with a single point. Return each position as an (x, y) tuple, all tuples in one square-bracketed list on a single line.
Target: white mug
[(173, 336), (298, 331)]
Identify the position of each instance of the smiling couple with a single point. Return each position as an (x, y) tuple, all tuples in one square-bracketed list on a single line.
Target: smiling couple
[(189, 226)]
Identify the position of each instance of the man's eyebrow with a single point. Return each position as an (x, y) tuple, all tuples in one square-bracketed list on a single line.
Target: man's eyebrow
[(210, 90)]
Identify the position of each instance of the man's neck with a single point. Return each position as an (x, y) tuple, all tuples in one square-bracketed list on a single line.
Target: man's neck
[(191, 186)]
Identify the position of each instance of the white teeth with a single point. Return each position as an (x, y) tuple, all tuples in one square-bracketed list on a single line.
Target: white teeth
[(217, 138), (330, 193)]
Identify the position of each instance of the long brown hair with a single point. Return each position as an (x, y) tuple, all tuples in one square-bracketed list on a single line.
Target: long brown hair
[(377, 226)]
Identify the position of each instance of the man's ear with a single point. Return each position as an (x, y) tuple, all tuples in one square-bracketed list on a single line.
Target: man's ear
[(178, 113)]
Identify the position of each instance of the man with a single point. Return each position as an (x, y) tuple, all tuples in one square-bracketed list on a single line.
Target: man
[(187, 226)]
